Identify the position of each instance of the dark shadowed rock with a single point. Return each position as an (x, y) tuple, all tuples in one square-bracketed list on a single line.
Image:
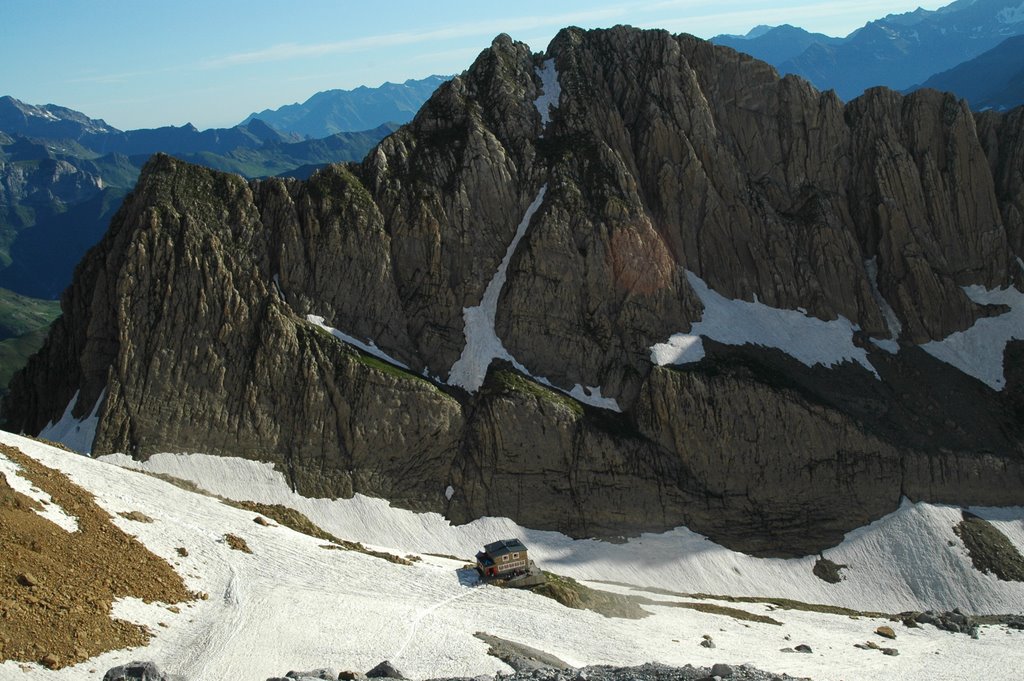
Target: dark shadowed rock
[(138, 671), (324, 673), (721, 670)]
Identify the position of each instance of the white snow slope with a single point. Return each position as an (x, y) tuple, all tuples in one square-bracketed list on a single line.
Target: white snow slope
[(294, 605)]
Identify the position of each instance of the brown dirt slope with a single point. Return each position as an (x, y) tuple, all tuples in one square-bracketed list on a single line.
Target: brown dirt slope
[(57, 587)]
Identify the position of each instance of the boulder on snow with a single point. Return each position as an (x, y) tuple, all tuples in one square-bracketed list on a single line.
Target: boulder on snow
[(721, 670), (954, 621), (138, 671), (385, 670), (324, 673)]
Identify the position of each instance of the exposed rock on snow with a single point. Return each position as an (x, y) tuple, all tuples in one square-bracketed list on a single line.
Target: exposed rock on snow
[(385, 670), (645, 672), (521, 658), (325, 673), (139, 671)]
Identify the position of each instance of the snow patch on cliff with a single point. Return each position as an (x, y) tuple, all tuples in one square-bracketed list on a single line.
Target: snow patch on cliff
[(808, 339), (369, 348), (482, 343), (1011, 15), (75, 434), (978, 351), (892, 322)]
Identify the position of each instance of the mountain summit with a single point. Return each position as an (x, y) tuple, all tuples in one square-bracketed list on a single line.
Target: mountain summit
[(632, 283)]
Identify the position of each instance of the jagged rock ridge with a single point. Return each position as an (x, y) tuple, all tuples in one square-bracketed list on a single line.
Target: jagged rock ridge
[(664, 155)]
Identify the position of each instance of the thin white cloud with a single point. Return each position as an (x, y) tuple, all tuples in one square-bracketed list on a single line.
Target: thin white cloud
[(287, 51), (113, 78)]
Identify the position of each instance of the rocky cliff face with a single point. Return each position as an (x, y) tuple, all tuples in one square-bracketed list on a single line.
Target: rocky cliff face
[(542, 223)]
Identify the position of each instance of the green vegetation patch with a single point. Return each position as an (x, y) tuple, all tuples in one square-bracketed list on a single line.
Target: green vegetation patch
[(337, 180), (783, 603), (24, 323), (714, 609), (286, 516), (990, 551), (21, 315), (572, 594), (372, 362), (297, 521), (388, 368), (513, 382), (14, 354)]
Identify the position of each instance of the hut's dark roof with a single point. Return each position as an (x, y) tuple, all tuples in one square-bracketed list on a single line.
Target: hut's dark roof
[(503, 546)]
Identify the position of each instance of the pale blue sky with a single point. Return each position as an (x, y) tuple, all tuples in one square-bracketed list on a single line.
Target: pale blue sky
[(146, 63)]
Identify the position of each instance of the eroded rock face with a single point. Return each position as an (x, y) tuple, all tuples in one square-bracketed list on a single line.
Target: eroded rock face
[(664, 155)]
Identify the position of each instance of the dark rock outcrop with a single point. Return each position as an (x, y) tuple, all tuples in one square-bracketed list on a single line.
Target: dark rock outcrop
[(665, 155), (138, 671), (385, 670)]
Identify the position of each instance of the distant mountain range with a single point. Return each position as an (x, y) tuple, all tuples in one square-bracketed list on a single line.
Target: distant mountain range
[(898, 51), (63, 175), (994, 80), (775, 44), (333, 111)]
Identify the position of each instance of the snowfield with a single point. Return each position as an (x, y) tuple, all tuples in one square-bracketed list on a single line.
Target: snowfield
[(294, 605), (738, 322), (976, 351), (76, 434)]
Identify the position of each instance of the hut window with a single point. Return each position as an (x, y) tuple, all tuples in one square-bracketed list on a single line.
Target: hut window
[(504, 558), (515, 555)]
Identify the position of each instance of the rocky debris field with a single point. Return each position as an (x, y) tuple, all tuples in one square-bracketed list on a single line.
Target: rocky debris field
[(147, 671), (56, 611)]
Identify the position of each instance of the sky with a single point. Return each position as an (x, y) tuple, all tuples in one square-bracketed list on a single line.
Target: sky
[(148, 63)]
